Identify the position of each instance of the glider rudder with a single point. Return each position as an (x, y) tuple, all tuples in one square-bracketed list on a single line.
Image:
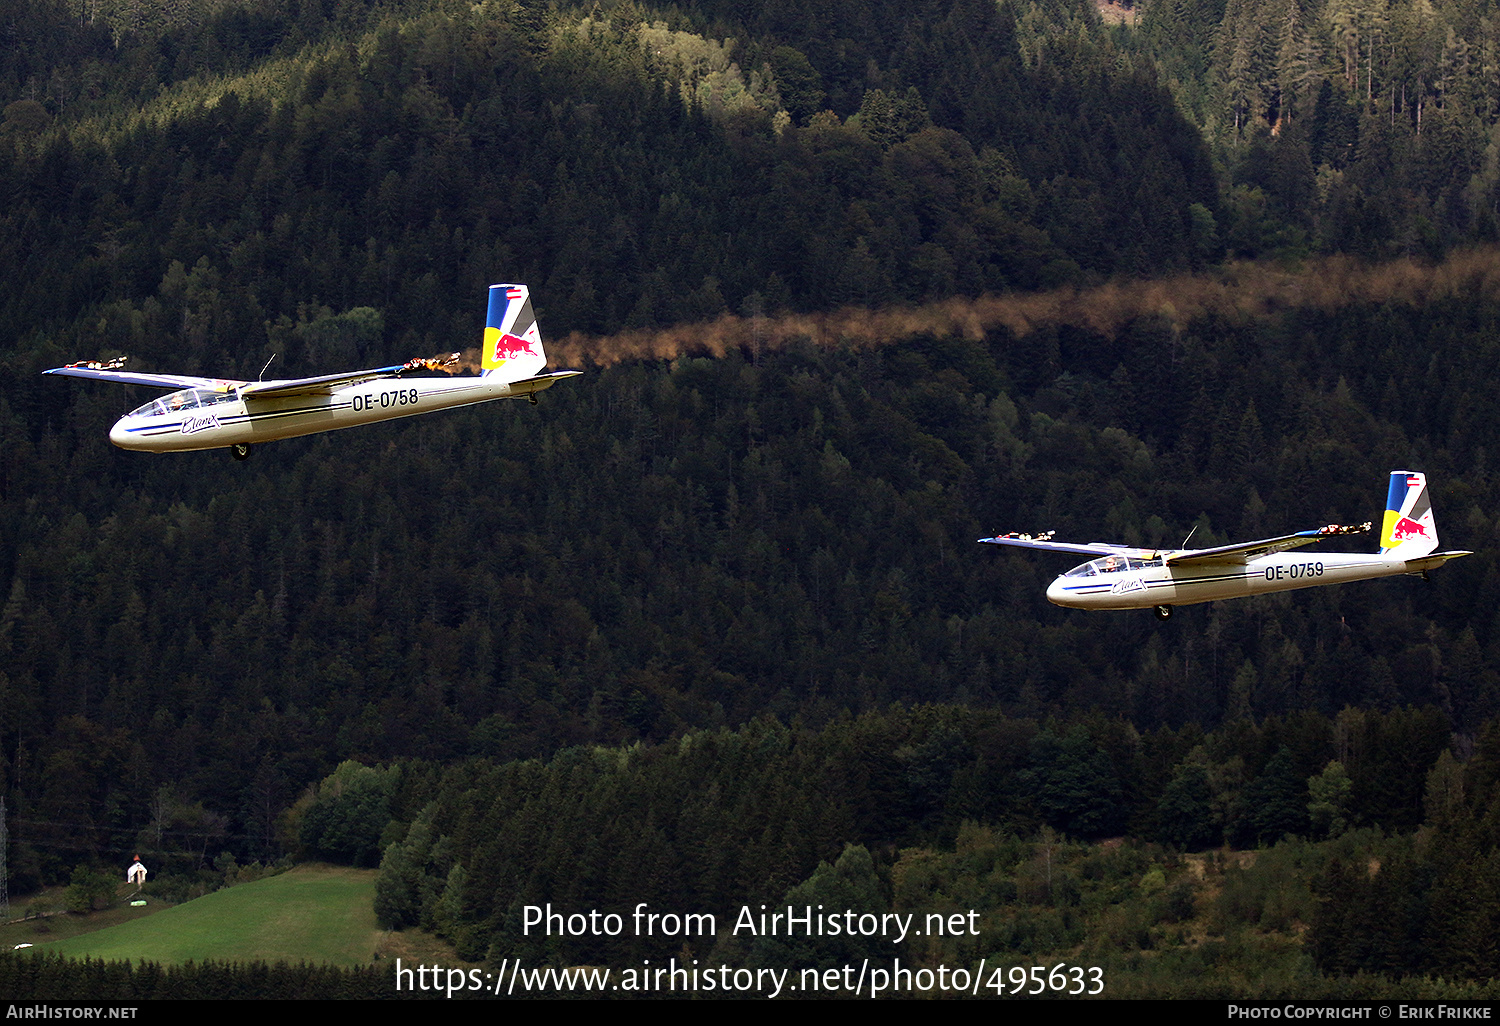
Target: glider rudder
[(1407, 530), (512, 345)]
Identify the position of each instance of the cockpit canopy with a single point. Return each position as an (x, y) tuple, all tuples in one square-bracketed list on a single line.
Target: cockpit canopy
[(187, 399), (1112, 565)]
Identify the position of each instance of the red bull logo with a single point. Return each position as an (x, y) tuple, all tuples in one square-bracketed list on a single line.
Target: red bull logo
[(508, 346), (1406, 527)]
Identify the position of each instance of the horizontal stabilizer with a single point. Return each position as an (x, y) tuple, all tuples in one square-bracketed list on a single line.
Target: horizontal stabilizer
[(1421, 564), (541, 381)]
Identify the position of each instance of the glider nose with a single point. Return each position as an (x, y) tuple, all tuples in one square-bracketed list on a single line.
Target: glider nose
[(120, 434), (1056, 593)]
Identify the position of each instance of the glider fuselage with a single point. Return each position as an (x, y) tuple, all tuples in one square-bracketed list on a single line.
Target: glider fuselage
[(1092, 586), (198, 418)]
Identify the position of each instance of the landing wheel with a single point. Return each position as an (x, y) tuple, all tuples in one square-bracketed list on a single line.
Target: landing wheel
[(532, 397), (240, 451), (1162, 612)]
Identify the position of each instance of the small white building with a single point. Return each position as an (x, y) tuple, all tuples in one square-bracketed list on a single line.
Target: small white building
[(136, 874)]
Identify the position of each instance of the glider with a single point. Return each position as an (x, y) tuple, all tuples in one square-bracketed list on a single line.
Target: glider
[(1124, 577), (219, 413)]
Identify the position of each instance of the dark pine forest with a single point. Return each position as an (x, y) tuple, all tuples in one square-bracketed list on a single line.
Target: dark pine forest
[(712, 628)]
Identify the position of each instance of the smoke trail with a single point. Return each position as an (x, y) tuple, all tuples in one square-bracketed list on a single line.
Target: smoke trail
[(1236, 292)]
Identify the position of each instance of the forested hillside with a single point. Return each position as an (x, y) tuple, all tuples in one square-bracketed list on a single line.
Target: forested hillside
[(752, 559), (722, 818), (630, 174), (1369, 126)]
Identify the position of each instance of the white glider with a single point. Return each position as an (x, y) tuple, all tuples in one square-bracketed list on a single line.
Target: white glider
[(1124, 577), (218, 413)]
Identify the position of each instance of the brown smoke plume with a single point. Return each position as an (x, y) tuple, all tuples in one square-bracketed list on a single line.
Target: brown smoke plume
[(1236, 292)]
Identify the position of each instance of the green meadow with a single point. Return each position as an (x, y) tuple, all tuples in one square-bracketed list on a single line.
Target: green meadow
[(313, 913)]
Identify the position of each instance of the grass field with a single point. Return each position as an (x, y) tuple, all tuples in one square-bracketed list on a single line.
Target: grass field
[(313, 913)]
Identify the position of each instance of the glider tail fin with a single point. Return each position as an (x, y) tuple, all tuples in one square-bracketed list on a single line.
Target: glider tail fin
[(512, 345), (1408, 530)]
